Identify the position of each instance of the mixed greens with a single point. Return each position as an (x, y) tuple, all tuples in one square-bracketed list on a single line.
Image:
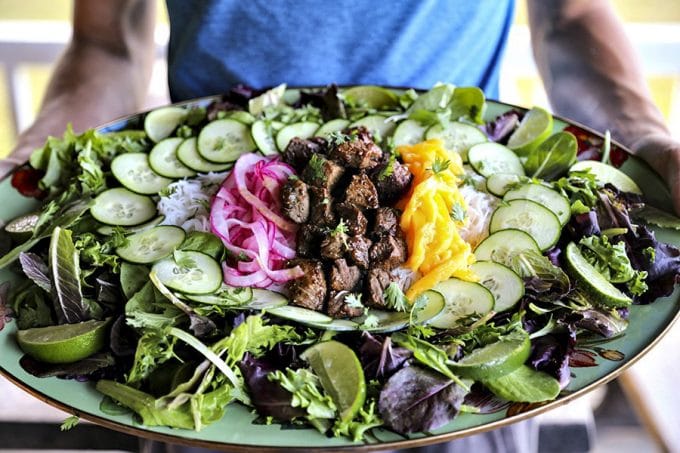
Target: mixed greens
[(565, 252)]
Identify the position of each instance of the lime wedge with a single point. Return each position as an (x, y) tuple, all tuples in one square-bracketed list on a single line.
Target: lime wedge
[(371, 96), (341, 375), (65, 343), (496, 359), (587, 277), (160, 123), (607, 174), (525, 385), (536, 126)]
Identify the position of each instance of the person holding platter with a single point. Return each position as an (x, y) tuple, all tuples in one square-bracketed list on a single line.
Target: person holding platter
[(586, 62)]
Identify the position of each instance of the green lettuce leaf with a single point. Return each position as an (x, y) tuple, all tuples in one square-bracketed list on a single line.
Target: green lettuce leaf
[(612, 262)]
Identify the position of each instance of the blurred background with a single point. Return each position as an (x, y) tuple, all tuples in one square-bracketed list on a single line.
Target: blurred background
[(636, 413)]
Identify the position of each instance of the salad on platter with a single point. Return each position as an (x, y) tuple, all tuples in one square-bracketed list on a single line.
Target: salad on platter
[(346, 259)]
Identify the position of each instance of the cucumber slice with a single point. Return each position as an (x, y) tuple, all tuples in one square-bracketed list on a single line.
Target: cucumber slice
[(160, 123), (302, 130), (132, 170), (263, 136), (510, 240), (551, 199), (526, 215), (390, 321), (187, 153), (264, 299), (409, 132), (328, 128), (163, 159), (300, 314), (21, 228), (227, 296), (458, 137), (506, 286), (592, 281), (196, 273), (107, 230), (223, 141), (151, 245), (122, 207), (607, 174), (377, 125), (463, 299), (491, 158), (499, 183)]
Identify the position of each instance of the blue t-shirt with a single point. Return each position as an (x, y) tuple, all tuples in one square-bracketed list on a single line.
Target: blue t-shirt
[(215, 44)]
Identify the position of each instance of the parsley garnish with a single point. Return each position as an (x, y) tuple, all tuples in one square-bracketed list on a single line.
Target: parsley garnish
[(439, 166), (353, 300), (395, 298), (370, 321), (337, 138), (69, 423), (458, 212), (316, 163), (341, 228), (389, 168)]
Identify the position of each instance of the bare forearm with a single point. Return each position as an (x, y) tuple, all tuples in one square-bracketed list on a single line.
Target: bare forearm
[(102, 75), (590, 70)]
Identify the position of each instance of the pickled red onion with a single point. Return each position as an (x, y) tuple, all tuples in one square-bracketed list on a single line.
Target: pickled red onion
[(245, 214)]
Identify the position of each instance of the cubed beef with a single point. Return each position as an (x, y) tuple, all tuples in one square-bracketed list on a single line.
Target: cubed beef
[(321, 207), (357, 249), (343, 277), (299, 151), (308, 240), (386, 221), (322, 172), (358, 151), (361, 193), (377, 280), (334, 245), (388, 252), (354, 218), (338, 307), (295, 200), (393, 184), (308, 291)]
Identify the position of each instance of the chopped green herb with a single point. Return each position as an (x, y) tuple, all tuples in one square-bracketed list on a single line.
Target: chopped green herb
[(395, 298), (353, 300), (389, 168), (316, 163), (370, 321), (69, 423), (341, 228), (458, 212), (439, 166)]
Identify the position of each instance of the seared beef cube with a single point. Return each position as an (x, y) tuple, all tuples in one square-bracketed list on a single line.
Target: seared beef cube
[(343, 277), (320, 207), (358, 151), (308, 240), (321, 172), (361, 193), (386, 221), (308, 291), (393, 184), (353, 217), (334, 245), (338, 307), (357, 248), (299, 151), (376, 281), (388, 252), (295, 200)]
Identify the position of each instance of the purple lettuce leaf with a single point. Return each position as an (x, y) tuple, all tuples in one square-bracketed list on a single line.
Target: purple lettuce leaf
[(416, 399), (662, 265), (502, 126), (550, 353), (36, 269), (93, 367), (326, 100), (269, 398), (380, 357)]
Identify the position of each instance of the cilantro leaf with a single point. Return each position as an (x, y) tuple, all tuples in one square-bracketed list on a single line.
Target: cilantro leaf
[(70, 423), (458, 212), (395, 298)]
